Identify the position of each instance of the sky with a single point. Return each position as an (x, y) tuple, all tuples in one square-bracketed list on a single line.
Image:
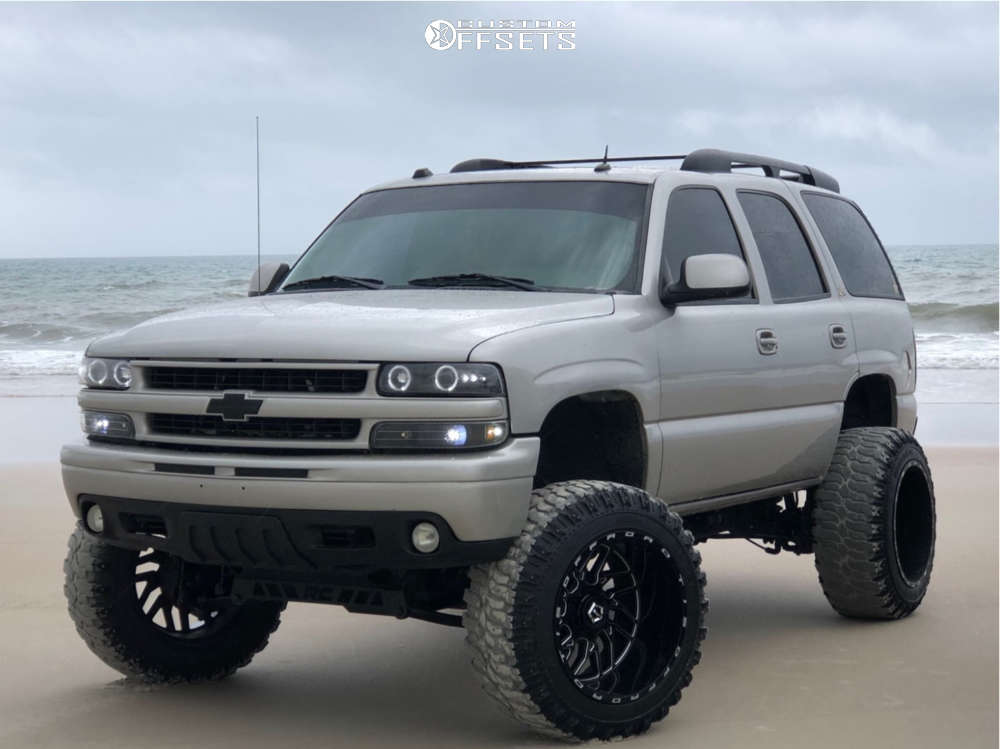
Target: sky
[(129, 129)]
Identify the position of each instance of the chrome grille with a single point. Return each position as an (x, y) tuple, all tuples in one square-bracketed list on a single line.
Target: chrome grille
[(264, 428), (264, 379)]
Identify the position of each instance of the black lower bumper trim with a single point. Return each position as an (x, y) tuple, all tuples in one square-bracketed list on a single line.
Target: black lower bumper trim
[(304, 541)]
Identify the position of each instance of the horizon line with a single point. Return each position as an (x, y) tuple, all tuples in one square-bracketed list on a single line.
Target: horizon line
[(252, 254)]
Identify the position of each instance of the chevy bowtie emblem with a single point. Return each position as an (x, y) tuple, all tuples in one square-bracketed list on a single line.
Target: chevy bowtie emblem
[(234, 406)]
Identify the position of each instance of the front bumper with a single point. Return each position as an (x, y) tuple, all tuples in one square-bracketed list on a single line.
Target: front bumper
[(481, 496), (314, 543)]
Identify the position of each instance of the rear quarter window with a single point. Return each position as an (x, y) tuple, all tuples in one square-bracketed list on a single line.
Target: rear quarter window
[(859, 255)]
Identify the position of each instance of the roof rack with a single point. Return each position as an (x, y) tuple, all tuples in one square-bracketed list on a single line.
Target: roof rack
[(482, 165), (713, 161), (706, 160)]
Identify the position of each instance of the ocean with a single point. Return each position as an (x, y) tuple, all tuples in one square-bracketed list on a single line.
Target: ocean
[(51, 308)]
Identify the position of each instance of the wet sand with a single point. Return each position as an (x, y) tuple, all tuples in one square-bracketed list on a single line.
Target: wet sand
[(779, 667)]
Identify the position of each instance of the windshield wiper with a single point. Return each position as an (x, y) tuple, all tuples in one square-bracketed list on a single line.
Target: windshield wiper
[(476, 279), (335, 282)]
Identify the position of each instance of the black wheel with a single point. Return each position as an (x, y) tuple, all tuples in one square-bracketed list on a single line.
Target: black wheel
[(874, 525), (591, 625), (146, 614)]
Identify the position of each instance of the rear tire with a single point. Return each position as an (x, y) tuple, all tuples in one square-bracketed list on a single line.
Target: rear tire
[(591, 625), (874, 525), (120, 622)]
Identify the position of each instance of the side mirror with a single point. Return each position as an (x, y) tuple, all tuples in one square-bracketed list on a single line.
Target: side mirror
[(266, 278), (709, 276)]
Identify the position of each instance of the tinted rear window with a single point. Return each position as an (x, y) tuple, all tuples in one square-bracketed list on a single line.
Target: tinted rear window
[(789, 263), (859, 256)]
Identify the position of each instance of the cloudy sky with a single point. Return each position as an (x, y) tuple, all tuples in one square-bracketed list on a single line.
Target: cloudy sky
[(129, 129)]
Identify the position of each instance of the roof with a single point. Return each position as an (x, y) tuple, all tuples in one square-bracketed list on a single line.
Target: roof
[(703, 161), (642, 175)]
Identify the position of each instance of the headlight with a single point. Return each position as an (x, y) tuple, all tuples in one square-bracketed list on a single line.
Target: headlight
[(463, 379), (106, 373), (437, 435), (100, 424)]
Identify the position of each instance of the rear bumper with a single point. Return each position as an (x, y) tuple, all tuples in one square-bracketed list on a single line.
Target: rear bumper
[(480, 496)]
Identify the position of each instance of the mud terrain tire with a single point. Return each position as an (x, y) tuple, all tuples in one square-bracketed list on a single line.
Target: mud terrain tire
[(874, 525), (103, 603), (602, 573)]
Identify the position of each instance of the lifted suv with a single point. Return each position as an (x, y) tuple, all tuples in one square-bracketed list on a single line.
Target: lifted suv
[(487, 399)]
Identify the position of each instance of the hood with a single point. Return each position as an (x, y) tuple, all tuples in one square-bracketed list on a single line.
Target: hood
[(351, 325)]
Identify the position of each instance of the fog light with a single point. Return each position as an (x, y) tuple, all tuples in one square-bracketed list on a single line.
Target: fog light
[(425, 537), (95, 519)]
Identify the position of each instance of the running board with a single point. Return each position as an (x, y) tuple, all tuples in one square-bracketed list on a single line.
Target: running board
[(695, 506)]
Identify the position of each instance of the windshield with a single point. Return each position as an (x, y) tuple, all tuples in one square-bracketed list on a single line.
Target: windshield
[(556, 235)]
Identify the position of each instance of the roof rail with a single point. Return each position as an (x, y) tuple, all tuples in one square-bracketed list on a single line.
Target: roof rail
[(481, 165), (706, 160), (712, 160)]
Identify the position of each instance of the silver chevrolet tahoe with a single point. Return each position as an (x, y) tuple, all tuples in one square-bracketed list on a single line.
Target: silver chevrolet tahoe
[(513, 398)]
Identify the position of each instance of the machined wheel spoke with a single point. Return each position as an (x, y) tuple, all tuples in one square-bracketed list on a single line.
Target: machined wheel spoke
[(146, 592), (594, 573), (157, 605), (588, 646)]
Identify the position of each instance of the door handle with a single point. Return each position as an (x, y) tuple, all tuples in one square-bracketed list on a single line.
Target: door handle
[(767, 341), (838, 335)]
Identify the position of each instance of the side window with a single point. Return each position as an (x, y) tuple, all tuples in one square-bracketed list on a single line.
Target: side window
[(698, 222), (859, 255), (789, 263)]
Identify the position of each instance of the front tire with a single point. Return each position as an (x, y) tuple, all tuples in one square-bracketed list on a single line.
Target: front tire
[(129, 608), (874, 525), (591, 625)]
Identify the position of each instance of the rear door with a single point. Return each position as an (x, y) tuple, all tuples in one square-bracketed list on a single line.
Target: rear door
[(883, 330), (814, 360)]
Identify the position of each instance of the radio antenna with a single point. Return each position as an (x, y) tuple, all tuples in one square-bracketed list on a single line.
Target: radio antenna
[(257, 122)]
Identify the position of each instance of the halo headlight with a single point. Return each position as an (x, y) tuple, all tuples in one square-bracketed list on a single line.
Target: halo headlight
[(115, 374), (398, 378), (465, 379)]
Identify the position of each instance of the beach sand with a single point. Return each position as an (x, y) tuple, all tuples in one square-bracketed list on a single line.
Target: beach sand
[(780, 668)]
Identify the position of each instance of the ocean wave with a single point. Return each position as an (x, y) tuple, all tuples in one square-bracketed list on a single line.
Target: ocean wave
[(40, 332), (105, 322), (148, 283), (33, 362), (958, 351), (972, 318)]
